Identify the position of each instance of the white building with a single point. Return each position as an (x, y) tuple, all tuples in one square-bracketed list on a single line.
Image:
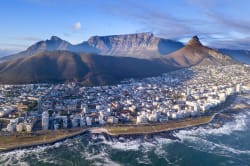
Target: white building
[(29, 127), (222, 97), (173, 115), (11, 127), (238, 88), (45, 120), (142, 118), (101, 118), (112, 120), (195, 106), (154, 117), (20, 127), (230, 91), (89, 121)]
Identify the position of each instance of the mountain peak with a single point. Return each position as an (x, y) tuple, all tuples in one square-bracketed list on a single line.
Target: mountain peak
[(194, 41), (55, 38)]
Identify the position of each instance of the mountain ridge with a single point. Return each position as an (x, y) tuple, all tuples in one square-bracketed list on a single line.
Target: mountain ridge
[(91, 69), (95, 69), (139, 45)]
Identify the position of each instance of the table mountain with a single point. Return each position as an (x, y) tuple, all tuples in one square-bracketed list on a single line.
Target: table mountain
[(94, 69), (140, 45)]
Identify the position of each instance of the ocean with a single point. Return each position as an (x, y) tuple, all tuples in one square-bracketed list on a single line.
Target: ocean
[(203, 145)]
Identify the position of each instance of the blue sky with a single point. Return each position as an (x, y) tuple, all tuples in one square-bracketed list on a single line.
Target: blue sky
[(218, 23)]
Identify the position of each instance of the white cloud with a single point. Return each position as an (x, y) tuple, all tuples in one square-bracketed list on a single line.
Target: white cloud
[(77, 26)]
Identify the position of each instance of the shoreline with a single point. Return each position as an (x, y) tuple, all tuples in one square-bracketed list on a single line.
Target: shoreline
[(101, 130), (44, 143), (122, 130)]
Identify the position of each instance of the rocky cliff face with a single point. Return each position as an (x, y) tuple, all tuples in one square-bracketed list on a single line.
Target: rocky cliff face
[(132, 41), (194, 42), (140, 45)]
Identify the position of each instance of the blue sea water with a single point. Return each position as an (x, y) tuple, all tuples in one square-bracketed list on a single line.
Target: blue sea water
[(204, 145)]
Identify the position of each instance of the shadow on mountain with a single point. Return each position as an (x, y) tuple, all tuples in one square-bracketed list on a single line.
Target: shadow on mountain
[(91, 69)]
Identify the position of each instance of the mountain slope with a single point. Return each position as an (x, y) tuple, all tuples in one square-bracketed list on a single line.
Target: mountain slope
[(194, 53), (52, 44), (93, 69), (43, 67), (60, 66), (242, 56)]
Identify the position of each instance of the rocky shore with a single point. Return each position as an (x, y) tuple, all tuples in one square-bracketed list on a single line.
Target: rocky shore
[(216, 120)]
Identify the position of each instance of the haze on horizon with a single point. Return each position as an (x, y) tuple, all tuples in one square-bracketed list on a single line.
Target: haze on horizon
[(222, 24)]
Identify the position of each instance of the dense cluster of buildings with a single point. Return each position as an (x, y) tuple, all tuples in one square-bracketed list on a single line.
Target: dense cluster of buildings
[(18, 105), (176, 95), (21, 124)]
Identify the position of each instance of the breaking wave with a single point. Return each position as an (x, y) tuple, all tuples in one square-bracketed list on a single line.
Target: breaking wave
[(100, 150), (17, 157), (238, 124), (214, 140)]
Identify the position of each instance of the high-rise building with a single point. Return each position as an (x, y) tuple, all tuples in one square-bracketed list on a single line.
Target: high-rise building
[(45, 120)]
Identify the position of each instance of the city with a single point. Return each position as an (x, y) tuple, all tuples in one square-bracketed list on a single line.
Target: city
[(124, 83), (185, 93)]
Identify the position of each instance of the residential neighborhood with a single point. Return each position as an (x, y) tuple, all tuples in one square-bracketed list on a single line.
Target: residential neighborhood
[(185, 93)]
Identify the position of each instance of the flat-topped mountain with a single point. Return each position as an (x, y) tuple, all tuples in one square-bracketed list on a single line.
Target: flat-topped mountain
[(194, 53), (93, 69), (140, 45), (40, 65)]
